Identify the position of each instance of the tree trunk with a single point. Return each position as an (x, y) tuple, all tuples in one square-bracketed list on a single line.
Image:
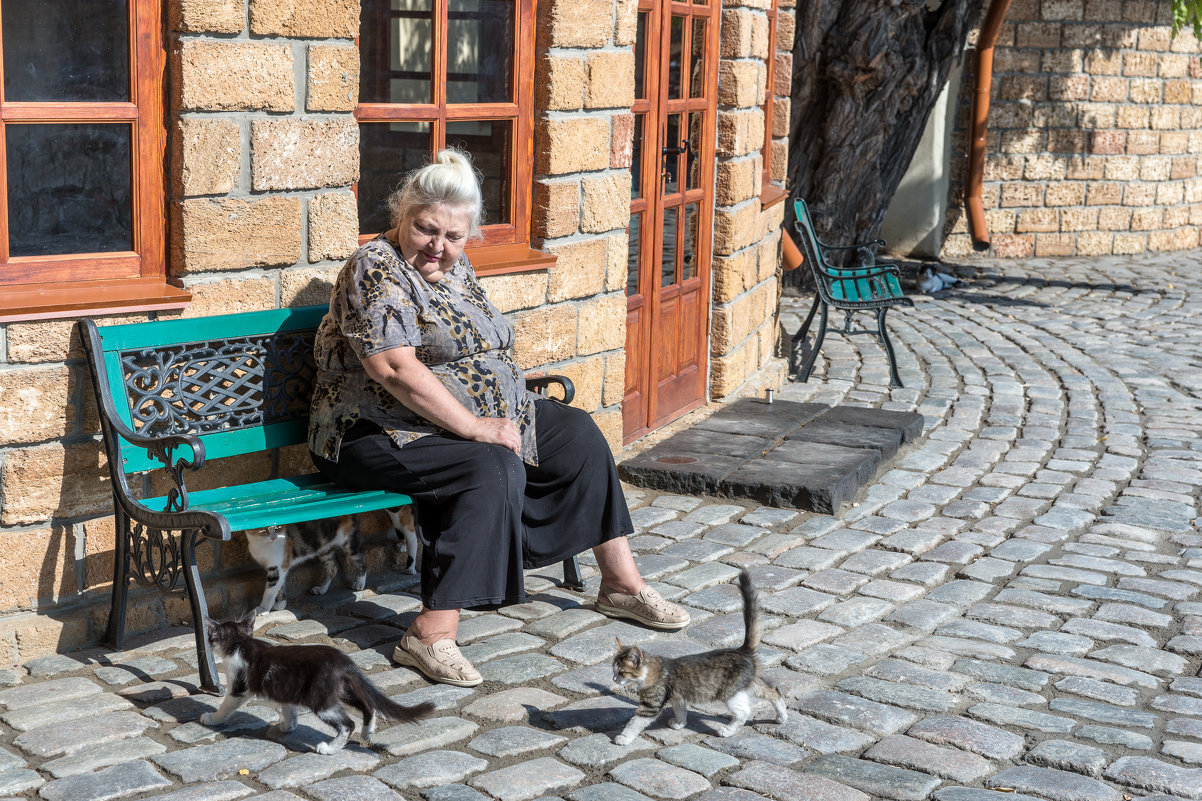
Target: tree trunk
[(866, 74)]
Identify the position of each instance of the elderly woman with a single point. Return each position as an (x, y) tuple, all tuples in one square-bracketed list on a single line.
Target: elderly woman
[(417, 391)]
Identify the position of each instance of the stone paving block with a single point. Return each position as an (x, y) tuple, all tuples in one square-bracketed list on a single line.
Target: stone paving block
[(895, 591), (431, 769), (697, 550), (748, 744), (975, 630), (977, 649), (221, 759), (960, 593), (873, 639), (27, 717), (1108, 735), (563, 624), (856, 611), (846, 540), (1013, 616), (1057, 642), (130, 778), (410, 738), (878, 780), (453, 792), (923, 614), (769, 517), (697, 759), (1103, 713), (714, 514), (1099, 690), (601, 714), (1102, 630), (860, 713), (1134, 615), (1150, 660), (903, 695), (511, 741), (360, 788), (1178, 704), (703, 576), (980, 738), (513, 705), (1186, 752), (1070, 756), (1091, 669), (606, 791), (1025, 718), (515, 642), (1006, 695), (1058, 785), (19, 780), (218, 791), (596, 751), (304, 769), (804, 557), (528, 780), (825, 659), (1002, 674), (948, 763), (927, 574), (658, 779), (521, 668), (70, 737), (781, 784), (682, 503), (737, 535), (820, 736)]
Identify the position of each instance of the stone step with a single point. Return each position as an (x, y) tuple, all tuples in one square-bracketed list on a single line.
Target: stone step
[(802, 455)]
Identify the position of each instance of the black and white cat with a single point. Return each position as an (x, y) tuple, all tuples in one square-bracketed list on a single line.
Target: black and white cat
[(278, 549), (729, 675), (317, 677)]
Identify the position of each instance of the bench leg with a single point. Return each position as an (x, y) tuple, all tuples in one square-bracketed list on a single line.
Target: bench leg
[(571, 575), (114, 633), (803, 375), (894, 379), (209, 678)]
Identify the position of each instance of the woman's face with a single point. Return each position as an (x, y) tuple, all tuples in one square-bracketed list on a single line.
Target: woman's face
[(432, 238)]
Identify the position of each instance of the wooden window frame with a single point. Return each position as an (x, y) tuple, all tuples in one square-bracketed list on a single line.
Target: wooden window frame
[(505, 248), (770, 193), (42, 287)]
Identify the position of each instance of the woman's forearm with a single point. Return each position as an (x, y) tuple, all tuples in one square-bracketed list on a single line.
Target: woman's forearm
[(413, 384)]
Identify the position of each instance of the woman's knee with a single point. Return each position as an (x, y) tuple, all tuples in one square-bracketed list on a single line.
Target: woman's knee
[(497, 469)]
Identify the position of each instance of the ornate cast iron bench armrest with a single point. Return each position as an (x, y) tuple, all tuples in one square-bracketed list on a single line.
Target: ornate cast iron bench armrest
[(542, 383)]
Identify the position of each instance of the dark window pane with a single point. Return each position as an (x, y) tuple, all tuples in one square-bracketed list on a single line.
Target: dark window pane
[(697, 60), (632, 258), (395, 51), (640, 55), (387, 150), (688, 260), (480, 45), (675, 46), (489, 143), (691, 162), (69, 189), (68, 50), (636, 157), (671, 158), (668, 266)]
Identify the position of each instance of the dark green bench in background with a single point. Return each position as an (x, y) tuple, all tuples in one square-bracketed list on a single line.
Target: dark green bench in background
[(174, 394), (873, 286)]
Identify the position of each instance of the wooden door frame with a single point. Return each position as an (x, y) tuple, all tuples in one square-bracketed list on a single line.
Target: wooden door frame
[(651, 230)]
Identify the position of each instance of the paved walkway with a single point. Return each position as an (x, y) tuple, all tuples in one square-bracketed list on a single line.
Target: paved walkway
[(1015, 604)]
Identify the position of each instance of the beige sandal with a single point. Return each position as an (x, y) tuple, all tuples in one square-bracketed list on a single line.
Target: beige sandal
[(647, 607), (441, 662)]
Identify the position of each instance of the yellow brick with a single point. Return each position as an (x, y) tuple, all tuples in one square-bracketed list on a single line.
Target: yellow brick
[(574, 23), (586, 375), (318, 19), (559, 83), (606, 202), (35, 405), (332, 83), (610, 80), (208, 154), (579, 270), (618, 262), (230, 296), (602, 324), (303, 154), (230, 234), (207, 16), (615, 379), (333, 226), (233, 75), (307, 286), (516, 290), (544, 335), (39, 565), (576, 144), (54, 481)]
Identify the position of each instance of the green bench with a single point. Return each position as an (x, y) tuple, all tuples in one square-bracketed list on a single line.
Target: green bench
[(873, 286), (174, 394)]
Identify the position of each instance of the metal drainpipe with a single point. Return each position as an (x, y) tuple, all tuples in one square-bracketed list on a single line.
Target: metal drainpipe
[(980, 119)]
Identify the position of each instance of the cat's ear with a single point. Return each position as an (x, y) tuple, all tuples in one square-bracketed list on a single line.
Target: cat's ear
[(621, 645), (210, 627), (635, 656), (246, 623)]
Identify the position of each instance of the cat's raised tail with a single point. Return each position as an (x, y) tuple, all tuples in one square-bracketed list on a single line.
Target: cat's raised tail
[(751, 613)]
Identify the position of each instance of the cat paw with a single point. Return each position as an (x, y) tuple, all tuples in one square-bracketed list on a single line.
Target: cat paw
[(410, 567), (676, 723), (359, 583), (726, 731), (326, 748), (209, 719), (623, 739), (280, 604)]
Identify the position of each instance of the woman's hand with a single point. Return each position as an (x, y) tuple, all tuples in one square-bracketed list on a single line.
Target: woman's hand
[(497, 431)]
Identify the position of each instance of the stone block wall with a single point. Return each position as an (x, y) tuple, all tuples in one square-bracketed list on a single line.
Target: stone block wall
[(1095, 133), (746, 263)]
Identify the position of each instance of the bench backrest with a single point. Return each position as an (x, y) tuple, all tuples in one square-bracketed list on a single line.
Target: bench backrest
[(240, 382), (839, 283)]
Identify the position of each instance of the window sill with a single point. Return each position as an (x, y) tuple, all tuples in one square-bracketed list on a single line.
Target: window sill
[(20, 302), (505, 259), (771, 195)]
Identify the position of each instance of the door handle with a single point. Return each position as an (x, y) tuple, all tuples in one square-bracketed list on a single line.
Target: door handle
[(676, 151)]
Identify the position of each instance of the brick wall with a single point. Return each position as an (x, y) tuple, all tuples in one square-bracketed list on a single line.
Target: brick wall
[(746, 263), (1095, 133)]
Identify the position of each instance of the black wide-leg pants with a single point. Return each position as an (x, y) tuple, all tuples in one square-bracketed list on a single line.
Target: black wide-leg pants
[(483, 515)]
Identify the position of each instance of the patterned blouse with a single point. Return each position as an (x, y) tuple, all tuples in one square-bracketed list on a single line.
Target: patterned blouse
[(379, 303)]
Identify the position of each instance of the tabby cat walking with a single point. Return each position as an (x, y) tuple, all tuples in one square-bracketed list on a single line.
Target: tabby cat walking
[(730, 675), (317, 677)]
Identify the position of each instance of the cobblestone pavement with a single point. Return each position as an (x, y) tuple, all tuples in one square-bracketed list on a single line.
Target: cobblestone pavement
[(1015, 604)]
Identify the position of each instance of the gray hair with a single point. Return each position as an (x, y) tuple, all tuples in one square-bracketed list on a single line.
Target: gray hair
[(449, 179)]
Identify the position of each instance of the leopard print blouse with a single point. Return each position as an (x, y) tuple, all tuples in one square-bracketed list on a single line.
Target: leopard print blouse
[(380, 302)]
